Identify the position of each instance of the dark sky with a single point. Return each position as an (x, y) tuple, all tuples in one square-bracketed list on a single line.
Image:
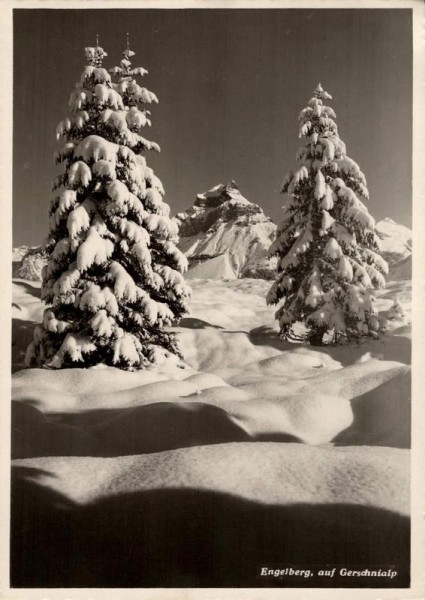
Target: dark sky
[(230, 85)]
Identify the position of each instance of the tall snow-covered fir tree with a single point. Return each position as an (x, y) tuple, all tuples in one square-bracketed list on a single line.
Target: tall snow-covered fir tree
[(113, 282), (327, 248)]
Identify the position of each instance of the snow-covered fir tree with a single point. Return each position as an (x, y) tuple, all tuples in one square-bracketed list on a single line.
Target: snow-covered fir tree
[(113, 283), (396, 311), (327, 248)]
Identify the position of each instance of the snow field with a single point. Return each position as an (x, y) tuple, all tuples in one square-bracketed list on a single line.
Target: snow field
[(169, 460), (261, 385)]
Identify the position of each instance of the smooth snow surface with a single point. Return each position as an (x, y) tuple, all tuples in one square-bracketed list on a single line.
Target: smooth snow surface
[(270, 473), (218, 267), (236, 362), (249, 437)]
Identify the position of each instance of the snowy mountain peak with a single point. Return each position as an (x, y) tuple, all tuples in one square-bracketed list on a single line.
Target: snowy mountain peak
[(219, 194), (223, 222), (223, 203)]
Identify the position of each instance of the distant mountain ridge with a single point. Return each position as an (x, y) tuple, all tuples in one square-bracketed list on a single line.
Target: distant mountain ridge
[(395, 240), (222, 221), (28, 262), (396, 247), (225, 236)]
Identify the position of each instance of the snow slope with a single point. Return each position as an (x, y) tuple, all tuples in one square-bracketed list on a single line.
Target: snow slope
[(218, 267), (252, 451), (222, 220)]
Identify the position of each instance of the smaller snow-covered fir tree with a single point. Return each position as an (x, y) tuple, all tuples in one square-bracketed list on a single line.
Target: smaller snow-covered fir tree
[(327, 248), (113, 282), (396, 310)]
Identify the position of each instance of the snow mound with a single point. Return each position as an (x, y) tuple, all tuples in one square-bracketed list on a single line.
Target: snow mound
[(221, 501), (255, 385), (234, 362), (395, 240), (218, 267), (223, 220), (26, 301), (360, 475)]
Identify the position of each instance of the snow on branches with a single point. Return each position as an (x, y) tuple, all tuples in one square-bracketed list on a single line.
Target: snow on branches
[(113, 283), (327, 247)]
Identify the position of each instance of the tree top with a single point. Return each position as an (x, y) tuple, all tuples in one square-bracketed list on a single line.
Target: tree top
[(95, 55)]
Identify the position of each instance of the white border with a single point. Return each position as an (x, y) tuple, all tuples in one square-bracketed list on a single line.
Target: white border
[(417, 589)]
